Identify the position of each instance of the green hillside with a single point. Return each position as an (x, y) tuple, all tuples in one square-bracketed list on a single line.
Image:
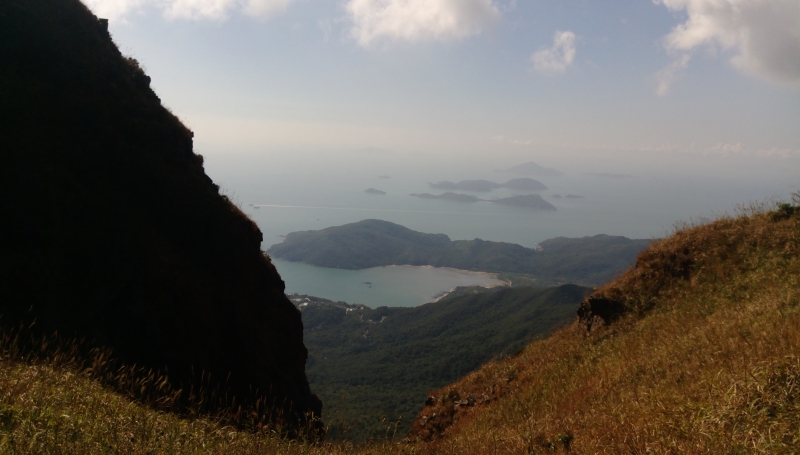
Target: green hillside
[(371, 243), (367, 364)]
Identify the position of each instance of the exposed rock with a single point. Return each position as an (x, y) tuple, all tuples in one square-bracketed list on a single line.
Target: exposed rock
[(599, 307), (444, 409)]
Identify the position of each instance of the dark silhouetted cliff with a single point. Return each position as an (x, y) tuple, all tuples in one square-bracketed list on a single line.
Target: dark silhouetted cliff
[(110, 229)]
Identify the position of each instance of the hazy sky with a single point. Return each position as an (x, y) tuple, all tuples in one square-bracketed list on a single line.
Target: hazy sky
[(511, 80)]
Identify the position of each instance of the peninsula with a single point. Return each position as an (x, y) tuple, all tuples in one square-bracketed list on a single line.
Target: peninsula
[(373, 243)]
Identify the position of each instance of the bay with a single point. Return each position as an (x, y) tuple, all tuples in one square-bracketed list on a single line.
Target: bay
[(393, 286), (289, 192)]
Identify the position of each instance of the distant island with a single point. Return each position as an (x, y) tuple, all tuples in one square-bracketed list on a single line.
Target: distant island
[(523, 183), (454, 197), (374, 191), (383, 177), (466, 185), (528, 201), (587, 261), (574, 196), (531, 168)]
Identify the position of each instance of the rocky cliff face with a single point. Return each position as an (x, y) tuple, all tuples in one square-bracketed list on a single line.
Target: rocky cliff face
[(111, 231)]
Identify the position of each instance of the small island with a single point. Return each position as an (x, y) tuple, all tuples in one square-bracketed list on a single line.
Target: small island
[(483, 186), (525, 183), (466, 185), (528, 201), (374, 191), (453, 197), (574, 196)]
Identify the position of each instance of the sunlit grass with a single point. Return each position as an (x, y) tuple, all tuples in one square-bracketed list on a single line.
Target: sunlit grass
[(706, 361), (57, 410)]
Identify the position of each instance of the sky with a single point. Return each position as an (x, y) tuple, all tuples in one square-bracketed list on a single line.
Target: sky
[(664, 85)]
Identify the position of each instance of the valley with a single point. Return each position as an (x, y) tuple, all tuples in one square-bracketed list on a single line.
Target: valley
[(372, 368)]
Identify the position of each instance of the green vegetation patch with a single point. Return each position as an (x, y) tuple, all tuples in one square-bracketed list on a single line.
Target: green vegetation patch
[(373, 368)]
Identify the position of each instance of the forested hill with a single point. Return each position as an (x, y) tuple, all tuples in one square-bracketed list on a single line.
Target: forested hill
[(371, 363), (374, 243)]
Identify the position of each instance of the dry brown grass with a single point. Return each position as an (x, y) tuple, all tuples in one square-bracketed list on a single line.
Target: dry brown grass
[(53, 405), (705, 358)]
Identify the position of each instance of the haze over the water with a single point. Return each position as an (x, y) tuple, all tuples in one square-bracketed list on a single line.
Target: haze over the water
[(655, 112), (305, 103)]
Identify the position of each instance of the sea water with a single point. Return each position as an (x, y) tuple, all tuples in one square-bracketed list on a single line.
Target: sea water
[(308, 193), (393, 286)]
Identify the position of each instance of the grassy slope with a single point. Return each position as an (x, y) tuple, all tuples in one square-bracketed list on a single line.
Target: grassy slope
[(371, 243), (702, 358), (367, 364), (56, 410)]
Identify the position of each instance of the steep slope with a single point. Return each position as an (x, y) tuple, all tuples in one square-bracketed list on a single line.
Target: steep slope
[(372, 363), (111, 231), (693, 350), (371, 243)]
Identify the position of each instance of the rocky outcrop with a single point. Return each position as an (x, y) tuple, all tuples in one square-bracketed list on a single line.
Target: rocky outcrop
[(445, 407), (599, 310), (112, 232)]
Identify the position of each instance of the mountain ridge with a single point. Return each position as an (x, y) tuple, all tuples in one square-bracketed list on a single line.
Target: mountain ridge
[(374, 243)]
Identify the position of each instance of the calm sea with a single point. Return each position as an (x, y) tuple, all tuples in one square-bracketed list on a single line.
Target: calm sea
[(394, 286), (307, 194)]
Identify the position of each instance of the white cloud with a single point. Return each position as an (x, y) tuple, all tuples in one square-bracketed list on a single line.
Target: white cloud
[(188, 9), (557, 58), (418, 20), (265, 8), (667, 75), (198, 9), (115, 9), (762, 35)]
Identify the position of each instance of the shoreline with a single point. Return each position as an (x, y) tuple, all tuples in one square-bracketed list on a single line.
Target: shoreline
[(491, 275), (440, 282)]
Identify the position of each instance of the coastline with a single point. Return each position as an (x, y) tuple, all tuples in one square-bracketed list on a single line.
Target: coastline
[(391, 285), (490, 275)]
